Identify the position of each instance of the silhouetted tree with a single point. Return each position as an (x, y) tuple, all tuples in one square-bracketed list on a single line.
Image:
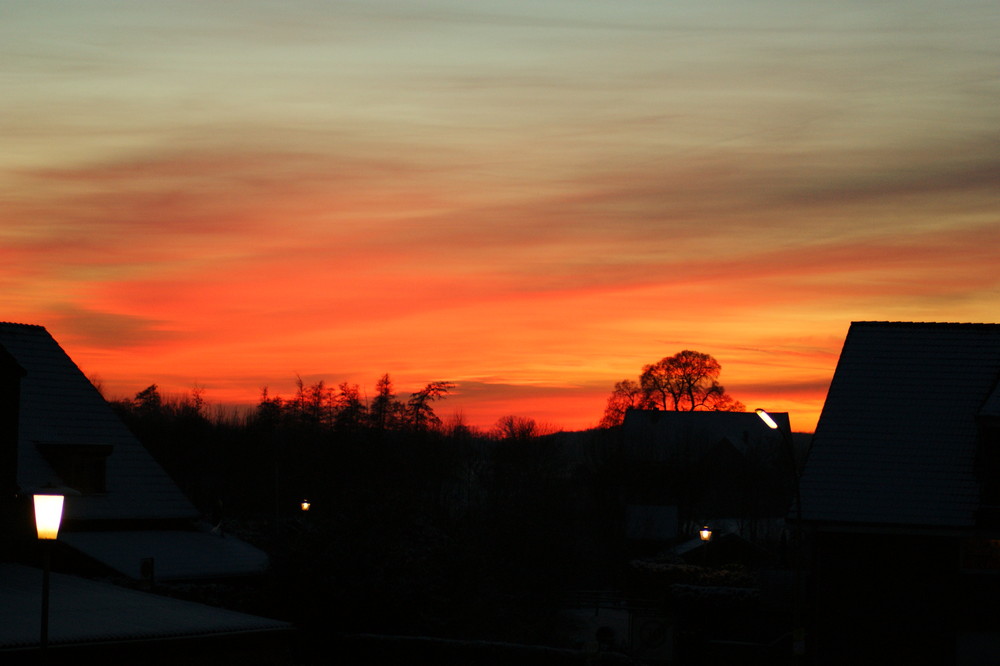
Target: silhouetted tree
[(195, 404), (385, 409), (626, 395), (682, 382), (350, 408), (420, 414), (512, 427), (686, 381), (269, 409), (148, 401)]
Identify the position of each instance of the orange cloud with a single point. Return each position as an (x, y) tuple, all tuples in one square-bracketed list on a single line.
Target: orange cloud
[(530, 200)]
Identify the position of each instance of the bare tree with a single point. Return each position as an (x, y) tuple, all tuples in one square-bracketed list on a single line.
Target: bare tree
[(626, 395), (686, 381), (519, 428)]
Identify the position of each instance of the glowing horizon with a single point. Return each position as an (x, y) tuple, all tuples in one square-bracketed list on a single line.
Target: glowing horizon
[(530, 200)]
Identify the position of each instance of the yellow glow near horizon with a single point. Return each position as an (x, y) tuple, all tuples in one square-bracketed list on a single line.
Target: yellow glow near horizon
[(531, 199)]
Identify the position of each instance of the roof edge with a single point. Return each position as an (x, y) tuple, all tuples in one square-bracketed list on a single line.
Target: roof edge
[(925, 324)]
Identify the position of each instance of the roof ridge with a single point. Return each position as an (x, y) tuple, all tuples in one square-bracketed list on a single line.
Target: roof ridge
[(927, 324), (19, 325)]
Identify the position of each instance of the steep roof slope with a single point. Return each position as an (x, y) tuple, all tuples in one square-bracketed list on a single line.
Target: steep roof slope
[(896, 442), (59, 406)]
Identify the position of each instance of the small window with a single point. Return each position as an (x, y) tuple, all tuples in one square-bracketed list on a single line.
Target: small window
[(82, 467)]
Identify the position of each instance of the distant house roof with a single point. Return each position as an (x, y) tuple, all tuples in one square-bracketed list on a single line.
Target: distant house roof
[(896, 442), (60, 408), (656, 435)]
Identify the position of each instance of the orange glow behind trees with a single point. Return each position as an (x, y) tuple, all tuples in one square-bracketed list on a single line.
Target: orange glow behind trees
[(686, 381), (527, 200)]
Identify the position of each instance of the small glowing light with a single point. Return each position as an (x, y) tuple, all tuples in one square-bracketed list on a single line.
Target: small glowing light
[(705, 533), (48, 515), (305, 505), (766, 418)]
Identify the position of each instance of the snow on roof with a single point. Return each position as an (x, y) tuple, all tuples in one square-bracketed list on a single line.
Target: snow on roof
[(896, 442), (177, 555), (84, 611)]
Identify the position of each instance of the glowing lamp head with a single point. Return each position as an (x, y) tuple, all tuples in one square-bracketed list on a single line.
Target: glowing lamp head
[(705, 533), (305, 505), (766, 418), (48, 515)]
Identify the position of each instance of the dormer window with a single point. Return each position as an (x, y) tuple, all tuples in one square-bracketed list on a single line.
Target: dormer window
[(82, 467)]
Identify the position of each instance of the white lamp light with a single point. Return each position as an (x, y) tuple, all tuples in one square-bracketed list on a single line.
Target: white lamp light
[(48, 515), (766, 418)]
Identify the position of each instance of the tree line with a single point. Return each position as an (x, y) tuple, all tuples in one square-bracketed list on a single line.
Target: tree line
[(344, 408), (418, 524), (686, 381)]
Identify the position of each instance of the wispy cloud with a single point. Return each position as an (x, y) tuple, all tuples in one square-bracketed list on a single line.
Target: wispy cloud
[(532, 199), (108, 331)]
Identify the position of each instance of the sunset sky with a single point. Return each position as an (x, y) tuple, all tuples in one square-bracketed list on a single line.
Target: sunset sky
[(532, 199)]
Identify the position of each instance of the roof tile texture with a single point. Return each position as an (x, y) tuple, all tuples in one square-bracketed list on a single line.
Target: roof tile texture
[(59, 405), (896, 442)]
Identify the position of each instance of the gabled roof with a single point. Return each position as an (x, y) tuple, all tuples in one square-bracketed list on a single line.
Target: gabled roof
[(896, 442), (60, 407), (657, 435)]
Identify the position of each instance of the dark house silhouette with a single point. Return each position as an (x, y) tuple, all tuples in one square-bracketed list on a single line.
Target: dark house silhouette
[(123, 514), (123, 508), (900, 499), (704, 466)]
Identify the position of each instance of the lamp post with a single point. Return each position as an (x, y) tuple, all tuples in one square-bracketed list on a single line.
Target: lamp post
[(305, 505), (790, 449), (705, 533), (798, 630), (48, 516)]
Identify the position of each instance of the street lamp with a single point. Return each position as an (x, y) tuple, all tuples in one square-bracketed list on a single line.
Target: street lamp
[(305, 505), (766, 418), (798, 630), (48, 516), (790, 449), (705, 533)]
